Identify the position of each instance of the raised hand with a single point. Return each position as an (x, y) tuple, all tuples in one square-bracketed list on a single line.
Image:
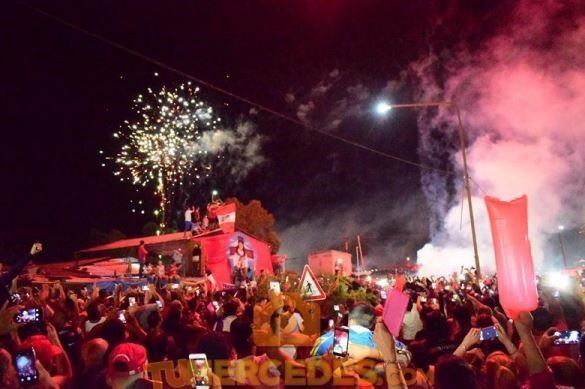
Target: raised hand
[(36, 248)]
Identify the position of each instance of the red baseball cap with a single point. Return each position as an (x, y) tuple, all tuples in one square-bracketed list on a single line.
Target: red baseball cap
[(126, 359), (44, 349)]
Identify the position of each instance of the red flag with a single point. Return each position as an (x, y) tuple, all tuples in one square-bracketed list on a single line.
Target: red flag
[(400, 282), (394, 310), (226, 217)]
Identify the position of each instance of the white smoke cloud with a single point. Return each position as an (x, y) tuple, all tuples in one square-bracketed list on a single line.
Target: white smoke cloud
[(367, 217), (522, 99), (243, 143), (304, 110)]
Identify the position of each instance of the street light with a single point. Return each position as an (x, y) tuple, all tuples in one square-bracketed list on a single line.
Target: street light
[(384, 107), (561, 229)]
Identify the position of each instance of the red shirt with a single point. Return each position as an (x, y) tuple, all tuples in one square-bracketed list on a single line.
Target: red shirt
[(142, 253)]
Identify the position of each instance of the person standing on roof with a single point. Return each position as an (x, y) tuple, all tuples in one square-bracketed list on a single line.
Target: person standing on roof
[(188, 220), (142, 253)]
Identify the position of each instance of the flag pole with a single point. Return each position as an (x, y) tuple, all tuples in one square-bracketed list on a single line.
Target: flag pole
[(362, 265)]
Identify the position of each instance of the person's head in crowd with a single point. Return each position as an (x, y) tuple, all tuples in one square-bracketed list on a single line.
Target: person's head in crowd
[(230, 308), (349, 303), (436, 326), (504, 378), (214, 346), (154, 320), (93, 352), (156, 344), (8, 375), (363, 315), (191, 336), (484, 310), (249, 312), (484, 320), (192, 304), (172, 320), (492, 368), (543, 320), (476, 359), (30, 329), (127, 364), (241, 337), (566, 371), (420, 354), (454, 372), (114, 332), (174, 296), (93, 311), (462, 314)]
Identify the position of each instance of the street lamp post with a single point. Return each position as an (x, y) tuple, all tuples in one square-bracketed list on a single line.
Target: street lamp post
[(561, 228), (385, 107)]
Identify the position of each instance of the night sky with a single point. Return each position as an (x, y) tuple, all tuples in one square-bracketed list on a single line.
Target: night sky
[(63, 93)]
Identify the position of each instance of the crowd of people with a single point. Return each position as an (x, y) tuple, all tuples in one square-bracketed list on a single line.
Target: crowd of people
[(176, 333)]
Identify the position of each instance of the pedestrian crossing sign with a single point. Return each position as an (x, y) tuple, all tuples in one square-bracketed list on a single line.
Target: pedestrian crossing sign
[(310, 289)]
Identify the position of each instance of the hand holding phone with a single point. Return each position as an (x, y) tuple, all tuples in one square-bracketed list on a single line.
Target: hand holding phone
[(340, 341), (275, 286), (488, 333), (29, 315), (25, 364), (200, 370), (567, 337)]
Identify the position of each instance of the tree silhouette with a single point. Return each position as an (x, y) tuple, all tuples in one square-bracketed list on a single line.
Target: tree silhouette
[(256, 220)]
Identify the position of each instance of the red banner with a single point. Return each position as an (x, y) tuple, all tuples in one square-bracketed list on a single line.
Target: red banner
[(514, 266)]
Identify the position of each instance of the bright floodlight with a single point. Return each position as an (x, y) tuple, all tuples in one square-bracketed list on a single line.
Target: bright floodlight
[(382, 107), (383, 282), (561, 228), (558, 280), (214, 193)]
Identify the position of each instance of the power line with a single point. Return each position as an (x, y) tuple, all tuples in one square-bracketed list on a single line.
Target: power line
[(225, 91)]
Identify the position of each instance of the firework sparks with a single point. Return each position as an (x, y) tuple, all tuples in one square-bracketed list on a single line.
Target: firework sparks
[(162, 147)]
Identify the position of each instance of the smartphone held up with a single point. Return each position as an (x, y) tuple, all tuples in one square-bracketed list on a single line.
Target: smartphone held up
[(25, 364), (488, 333), (340, 341), (29, 315), (200, 370)]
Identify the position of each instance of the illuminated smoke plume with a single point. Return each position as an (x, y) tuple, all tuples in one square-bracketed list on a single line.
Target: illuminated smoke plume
[(522, 98)]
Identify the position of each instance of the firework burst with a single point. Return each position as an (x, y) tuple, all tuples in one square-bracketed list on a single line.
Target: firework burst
[(162, 147)]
